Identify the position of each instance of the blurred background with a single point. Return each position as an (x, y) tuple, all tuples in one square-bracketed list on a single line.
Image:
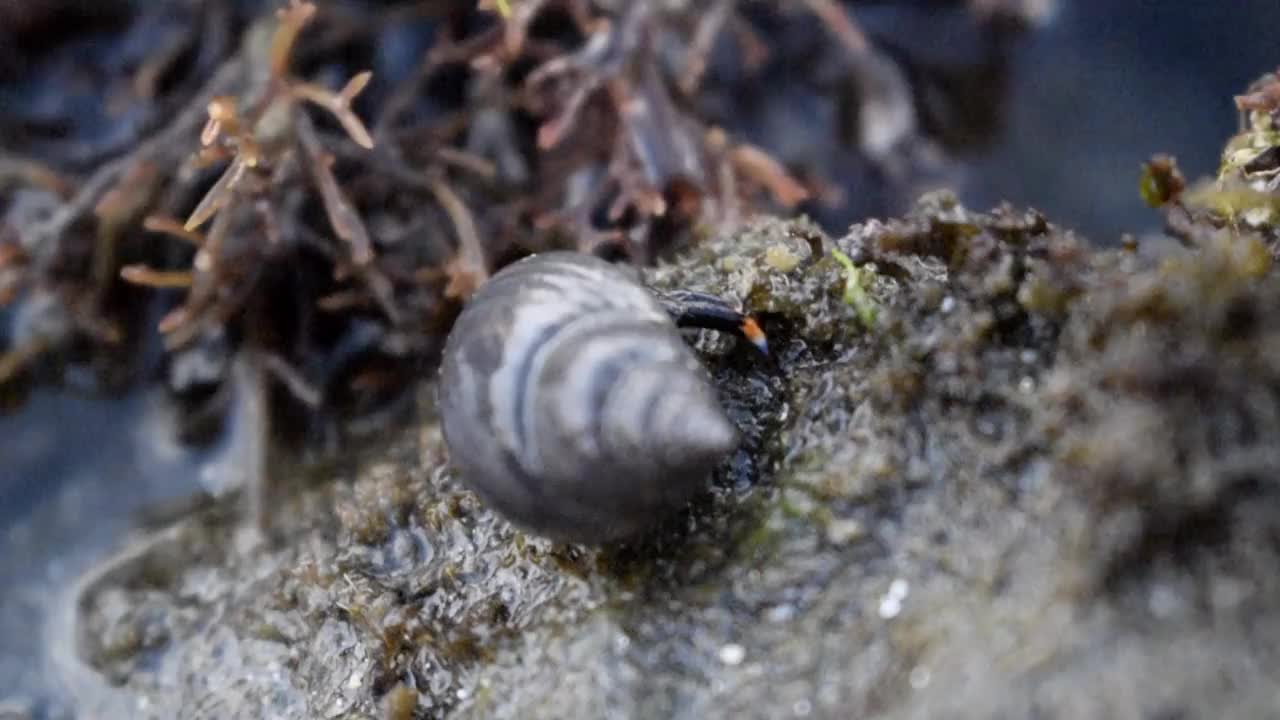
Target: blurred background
[(1104, 86)]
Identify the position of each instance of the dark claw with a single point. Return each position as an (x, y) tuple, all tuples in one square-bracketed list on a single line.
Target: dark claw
[(700, 310)]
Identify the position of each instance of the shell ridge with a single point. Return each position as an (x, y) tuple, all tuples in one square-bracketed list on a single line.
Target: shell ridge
[(589, 358)]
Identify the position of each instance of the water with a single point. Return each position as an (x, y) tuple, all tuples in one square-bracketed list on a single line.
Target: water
[(1108, 84), (74, 472)]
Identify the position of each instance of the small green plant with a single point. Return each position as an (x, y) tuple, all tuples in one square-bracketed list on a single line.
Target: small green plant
[(856, 280)]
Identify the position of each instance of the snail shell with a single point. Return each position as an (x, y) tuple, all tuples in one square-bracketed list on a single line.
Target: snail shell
[(571, 404)]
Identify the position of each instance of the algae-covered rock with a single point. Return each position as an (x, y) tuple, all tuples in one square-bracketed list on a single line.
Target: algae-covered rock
[(986, 471)]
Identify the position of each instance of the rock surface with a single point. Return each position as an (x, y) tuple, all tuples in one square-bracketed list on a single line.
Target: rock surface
[(987, 472)]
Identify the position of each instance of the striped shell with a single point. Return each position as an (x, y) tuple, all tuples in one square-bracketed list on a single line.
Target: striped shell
[(571, 404)]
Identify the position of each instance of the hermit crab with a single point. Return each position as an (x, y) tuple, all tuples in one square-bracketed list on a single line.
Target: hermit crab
[(570, 402)]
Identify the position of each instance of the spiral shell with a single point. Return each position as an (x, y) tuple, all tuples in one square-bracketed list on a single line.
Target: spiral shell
[(570, 403)]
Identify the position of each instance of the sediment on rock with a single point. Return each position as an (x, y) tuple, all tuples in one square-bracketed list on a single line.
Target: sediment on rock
[(987, 471)]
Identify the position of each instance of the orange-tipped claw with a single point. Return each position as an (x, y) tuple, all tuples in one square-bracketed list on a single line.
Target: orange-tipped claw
[(752, 331)]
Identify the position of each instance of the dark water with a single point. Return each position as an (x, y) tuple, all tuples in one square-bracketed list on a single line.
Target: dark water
[(74, 472), (1106, 85)]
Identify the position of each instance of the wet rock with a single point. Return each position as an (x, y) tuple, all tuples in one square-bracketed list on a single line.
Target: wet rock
[(987, 471)]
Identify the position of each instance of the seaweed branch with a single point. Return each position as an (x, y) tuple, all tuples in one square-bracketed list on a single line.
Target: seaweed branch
[(326, 192)]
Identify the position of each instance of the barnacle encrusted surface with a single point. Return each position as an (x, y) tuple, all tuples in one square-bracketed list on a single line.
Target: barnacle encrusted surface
[(1038, 482)]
